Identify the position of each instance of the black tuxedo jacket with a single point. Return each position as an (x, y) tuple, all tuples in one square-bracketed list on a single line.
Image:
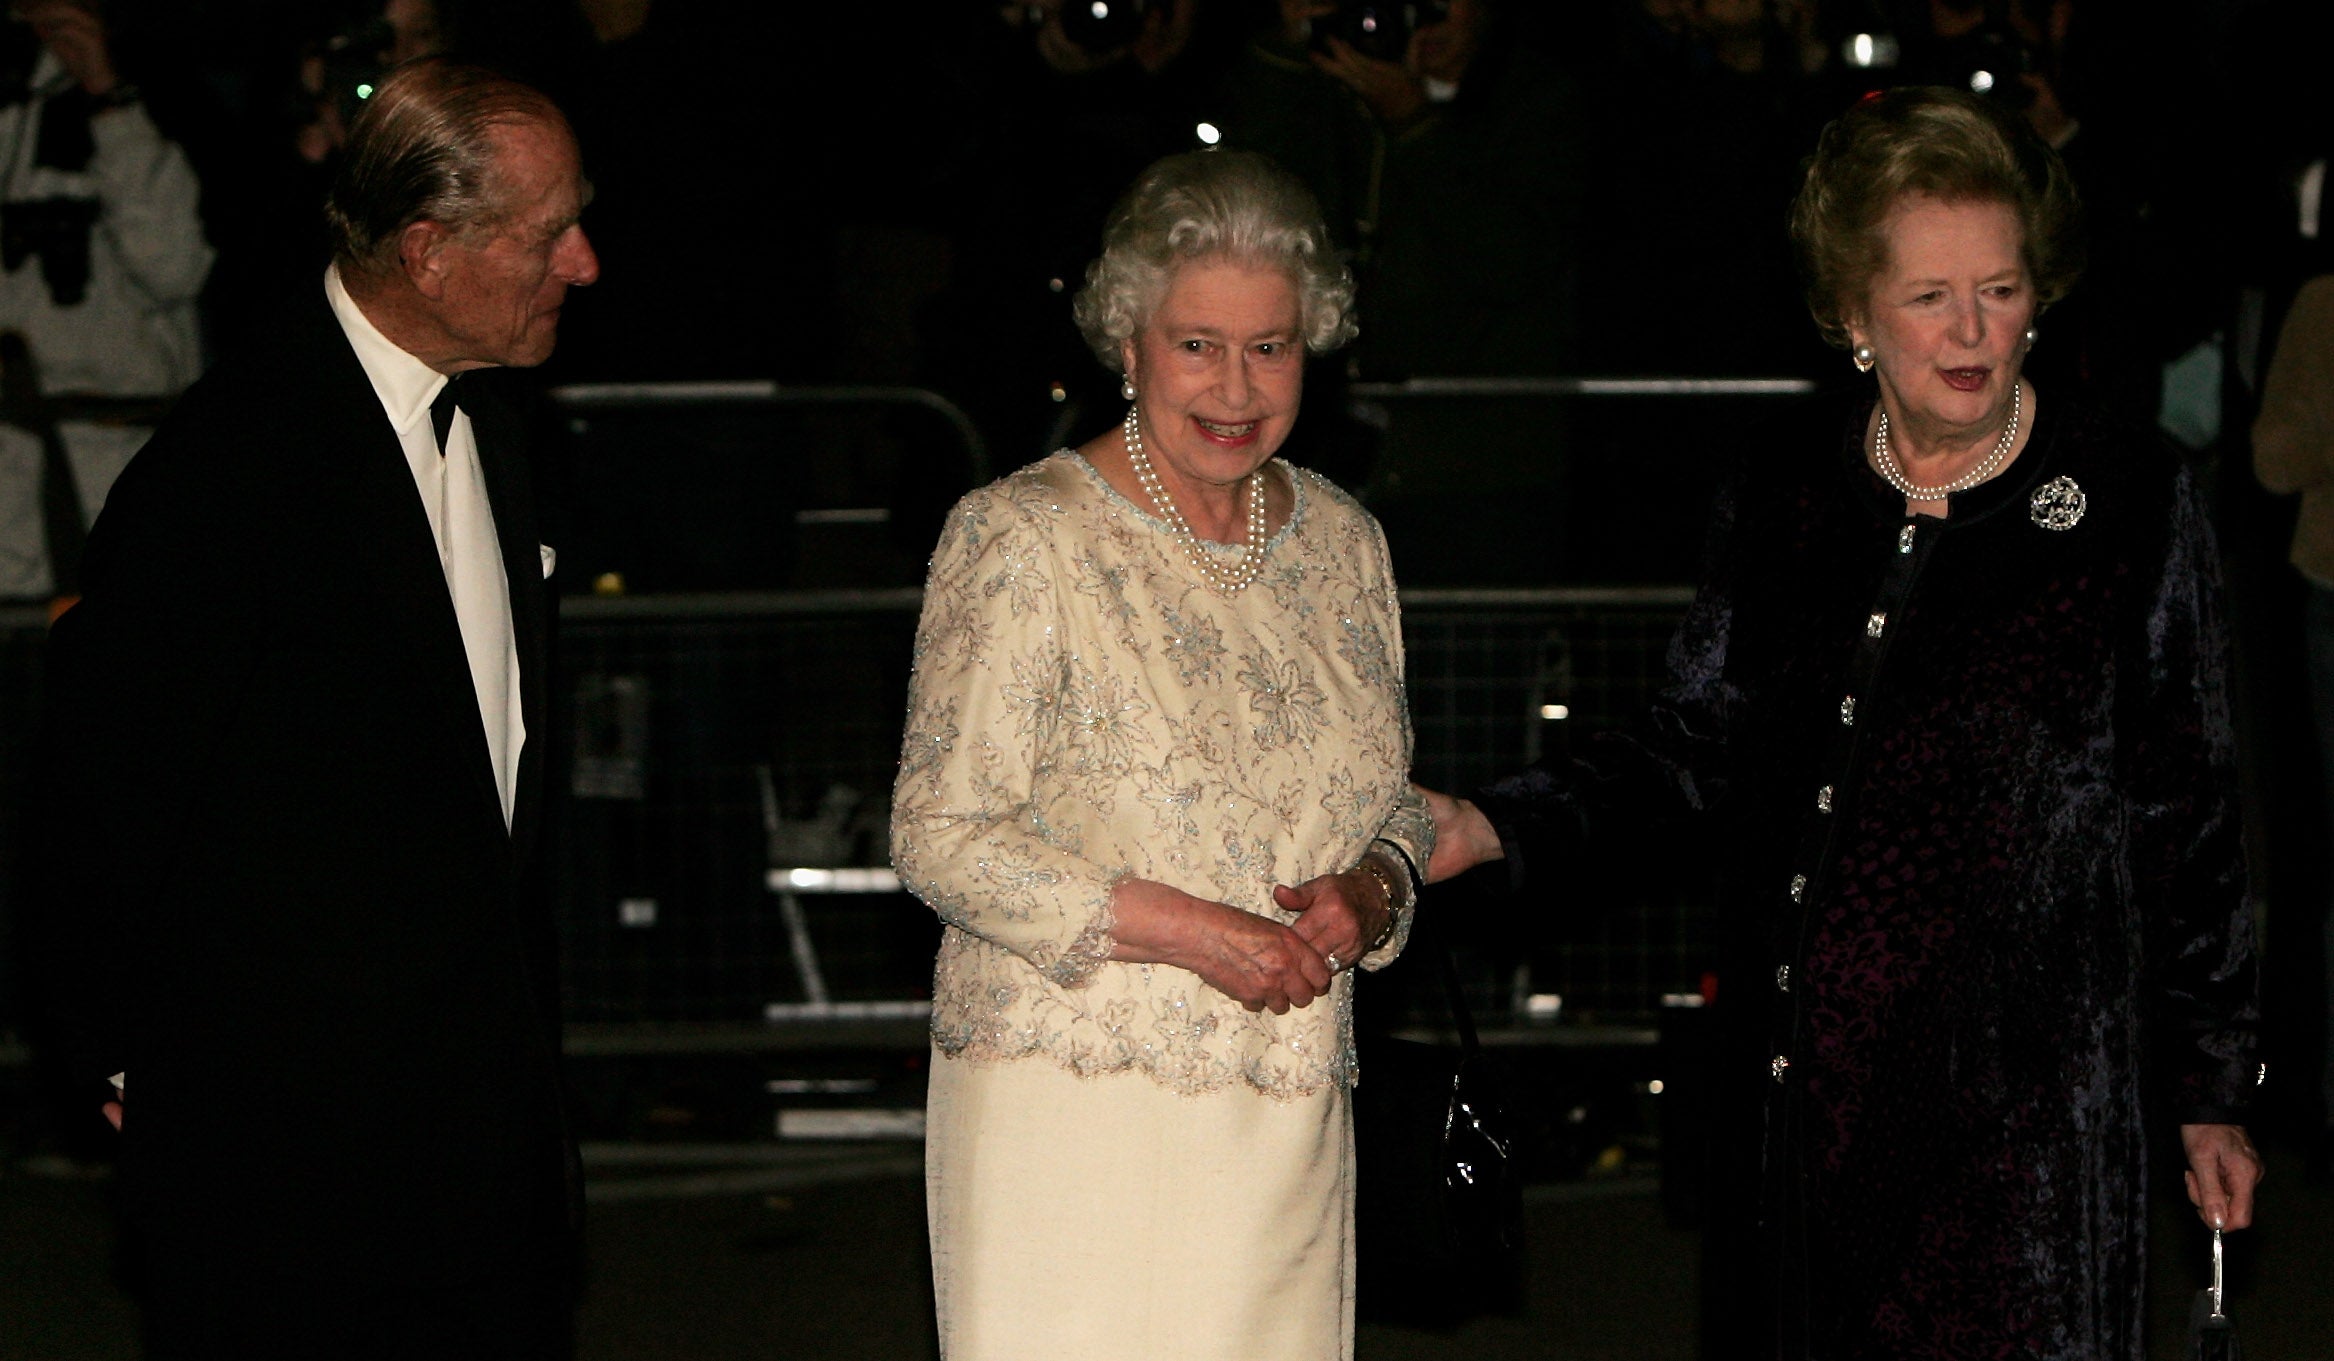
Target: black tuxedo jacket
[(280, 891)]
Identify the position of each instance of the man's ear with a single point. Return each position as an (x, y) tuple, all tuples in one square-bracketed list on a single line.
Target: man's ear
[(421, 252)]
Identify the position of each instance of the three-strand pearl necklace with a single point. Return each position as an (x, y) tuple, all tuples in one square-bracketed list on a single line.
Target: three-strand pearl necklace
[(1222, 581), (1884, 460)]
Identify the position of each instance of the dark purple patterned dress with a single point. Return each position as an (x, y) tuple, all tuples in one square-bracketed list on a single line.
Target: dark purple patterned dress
[(1975, 776)]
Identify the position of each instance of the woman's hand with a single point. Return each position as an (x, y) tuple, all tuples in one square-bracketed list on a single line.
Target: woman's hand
[(1255, 961), (2223, 1169), (1342, 916), (1463, 837)]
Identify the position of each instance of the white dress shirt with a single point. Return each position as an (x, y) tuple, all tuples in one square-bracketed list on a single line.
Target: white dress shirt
[(453, 493)]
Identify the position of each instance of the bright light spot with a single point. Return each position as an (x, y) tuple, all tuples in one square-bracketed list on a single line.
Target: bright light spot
[(1555, 712), (1866, 50), (364, 92), (1544, 1005), (1053, 285), (1369, 23), (1099, 10), (1654, 1086), (1209, 133), (1059, 393), (1981, 81)]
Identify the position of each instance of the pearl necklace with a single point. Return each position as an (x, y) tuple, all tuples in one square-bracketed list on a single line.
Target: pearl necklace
[(1885, 461), (1219, 580)]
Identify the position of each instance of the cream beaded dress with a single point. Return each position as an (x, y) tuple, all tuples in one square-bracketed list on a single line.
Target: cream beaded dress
[(1120, 1160)]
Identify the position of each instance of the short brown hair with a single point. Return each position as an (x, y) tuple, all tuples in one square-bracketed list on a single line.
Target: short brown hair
[(423, 150), (1944, 143)]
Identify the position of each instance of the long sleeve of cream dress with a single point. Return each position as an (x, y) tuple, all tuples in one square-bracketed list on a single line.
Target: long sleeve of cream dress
[(1083, 710)]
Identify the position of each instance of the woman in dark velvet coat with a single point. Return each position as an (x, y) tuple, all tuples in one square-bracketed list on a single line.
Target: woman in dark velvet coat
[(1954, 689)]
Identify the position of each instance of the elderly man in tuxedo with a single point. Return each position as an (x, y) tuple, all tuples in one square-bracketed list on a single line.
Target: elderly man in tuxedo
[(295, 782)]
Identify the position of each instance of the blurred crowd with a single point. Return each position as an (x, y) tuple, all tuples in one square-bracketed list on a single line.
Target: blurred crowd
[(908, 191)]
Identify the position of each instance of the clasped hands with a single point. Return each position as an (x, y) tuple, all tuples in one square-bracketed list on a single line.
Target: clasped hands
[(1256, 961)]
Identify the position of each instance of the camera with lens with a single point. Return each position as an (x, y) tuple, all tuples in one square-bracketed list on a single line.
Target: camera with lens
[(1096, 26), (1990, 61), (1377, 29), (354, 62), (57, 230)]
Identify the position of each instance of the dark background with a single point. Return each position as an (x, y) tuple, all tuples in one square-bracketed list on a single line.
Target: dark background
[(905, 195)]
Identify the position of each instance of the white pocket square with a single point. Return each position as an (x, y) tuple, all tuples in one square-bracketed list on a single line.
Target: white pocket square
[(550, 558)]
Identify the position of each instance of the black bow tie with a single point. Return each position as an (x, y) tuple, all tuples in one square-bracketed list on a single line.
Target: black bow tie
[(442, 413)]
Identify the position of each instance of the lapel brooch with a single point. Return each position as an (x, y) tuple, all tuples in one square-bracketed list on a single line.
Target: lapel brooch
[(2058, 504)]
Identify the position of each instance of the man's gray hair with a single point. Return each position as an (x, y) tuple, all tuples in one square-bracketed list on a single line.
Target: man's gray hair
[(422, 150), (1212, 205)]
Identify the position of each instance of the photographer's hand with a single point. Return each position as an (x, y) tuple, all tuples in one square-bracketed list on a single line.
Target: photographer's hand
[(1297, 16), (1166, 32), (1395, 95), (1058, 51), (78, 38)]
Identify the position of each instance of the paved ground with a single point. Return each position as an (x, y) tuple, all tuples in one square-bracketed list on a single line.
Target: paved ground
[(821, 1259)]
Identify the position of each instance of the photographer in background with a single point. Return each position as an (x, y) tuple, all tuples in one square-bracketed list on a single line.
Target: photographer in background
[(1454, 171), (101, 259), (1030, 124), (1074, 39), (1449, 156)]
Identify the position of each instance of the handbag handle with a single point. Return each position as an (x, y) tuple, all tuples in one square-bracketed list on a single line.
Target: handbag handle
[(2216, 1275), (1462, 1019)]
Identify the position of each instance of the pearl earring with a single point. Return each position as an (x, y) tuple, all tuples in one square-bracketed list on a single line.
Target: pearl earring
[(1864, 358), (2032, 335), (1126, 389)]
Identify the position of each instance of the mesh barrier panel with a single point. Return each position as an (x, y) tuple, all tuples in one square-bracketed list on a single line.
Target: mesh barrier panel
[(709, 739), (707, 750), (704, 751)]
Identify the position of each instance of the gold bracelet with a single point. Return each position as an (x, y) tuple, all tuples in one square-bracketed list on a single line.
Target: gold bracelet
[(1393, 904)]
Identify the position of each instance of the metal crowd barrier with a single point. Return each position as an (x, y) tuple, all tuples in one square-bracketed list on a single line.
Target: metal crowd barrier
[(732, 756), (582, 399), (715, 742), (1496, 387), (722, 486), (1530, 481)]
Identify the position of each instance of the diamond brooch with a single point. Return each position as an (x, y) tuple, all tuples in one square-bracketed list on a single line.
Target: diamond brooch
[(2058, 504)]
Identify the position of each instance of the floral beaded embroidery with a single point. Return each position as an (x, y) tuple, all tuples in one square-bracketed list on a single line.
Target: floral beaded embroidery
[(1116, 719)]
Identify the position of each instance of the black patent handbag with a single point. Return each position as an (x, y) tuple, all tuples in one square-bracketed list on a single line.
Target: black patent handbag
[(1438, 1214)]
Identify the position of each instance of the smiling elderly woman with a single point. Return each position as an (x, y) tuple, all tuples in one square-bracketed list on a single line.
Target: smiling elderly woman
[(1955, 694), (1154, 781)]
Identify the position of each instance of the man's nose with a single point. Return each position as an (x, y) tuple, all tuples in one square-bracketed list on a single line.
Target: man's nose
[(578, 263)]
